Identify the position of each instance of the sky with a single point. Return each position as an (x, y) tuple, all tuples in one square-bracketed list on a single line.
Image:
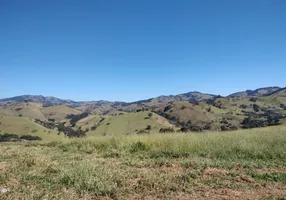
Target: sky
[(130, 50)]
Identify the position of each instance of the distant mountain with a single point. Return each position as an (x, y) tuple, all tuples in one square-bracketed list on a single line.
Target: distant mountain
[(192, 111), (258, 92), (278, 93), (40, 99), (147, 103), (162, 100), (197, 96)]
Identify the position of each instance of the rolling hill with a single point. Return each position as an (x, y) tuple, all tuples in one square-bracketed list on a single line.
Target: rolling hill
[(124, 124), (258, 92), (193, 111), (26, 126)]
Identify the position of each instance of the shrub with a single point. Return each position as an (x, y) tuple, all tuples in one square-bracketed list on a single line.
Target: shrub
[(148, 127), (243, 106), (93, 128), (253, 99), (166, 130), (184, 129), (74, 118), (223, 128), (167, 108), (138, 146), (30, 137), (9, 137), (256, 107)]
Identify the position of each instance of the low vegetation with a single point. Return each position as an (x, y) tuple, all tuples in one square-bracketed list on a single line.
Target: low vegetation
[(242, 164), (10, 137)]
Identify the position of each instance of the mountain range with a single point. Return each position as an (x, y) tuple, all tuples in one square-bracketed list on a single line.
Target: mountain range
[(192, 111), (190, 96)]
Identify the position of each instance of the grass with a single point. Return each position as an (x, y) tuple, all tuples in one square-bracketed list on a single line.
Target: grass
[(29, 110), (58, 113), (128, 123), (245, 164), (25, 126)]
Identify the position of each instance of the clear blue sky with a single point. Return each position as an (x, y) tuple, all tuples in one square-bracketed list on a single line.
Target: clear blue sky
[(131, 50)]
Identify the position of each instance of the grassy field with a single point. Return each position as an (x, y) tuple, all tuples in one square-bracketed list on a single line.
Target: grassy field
[(26, 126), (244, 164), (125, 124)]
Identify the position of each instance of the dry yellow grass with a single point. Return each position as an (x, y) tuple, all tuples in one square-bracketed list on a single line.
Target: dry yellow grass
[(245, 164)]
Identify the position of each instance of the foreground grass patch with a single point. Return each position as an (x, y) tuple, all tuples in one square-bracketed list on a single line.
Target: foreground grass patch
[(236, 165)]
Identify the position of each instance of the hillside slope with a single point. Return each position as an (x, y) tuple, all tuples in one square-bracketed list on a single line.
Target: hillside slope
[(124, 124), (258, 92), (25, 126)]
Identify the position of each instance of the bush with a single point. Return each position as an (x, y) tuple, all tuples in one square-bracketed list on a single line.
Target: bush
[(166, 130), (167, 108), (10, 137), (243, 106), (30, 137), (183, 107), (253, 99), (138, 146), (283, 106), (93, 128), (148, 127), (74, 118), (256, 107), (184, 129)]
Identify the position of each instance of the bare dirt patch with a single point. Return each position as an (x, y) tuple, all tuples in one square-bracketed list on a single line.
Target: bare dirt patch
[(271, 170), (4, 166), (214, 172), (244, 178), (86, 119)]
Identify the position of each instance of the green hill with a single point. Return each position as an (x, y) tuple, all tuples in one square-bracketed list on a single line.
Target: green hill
[(25, 126), (124, 124)]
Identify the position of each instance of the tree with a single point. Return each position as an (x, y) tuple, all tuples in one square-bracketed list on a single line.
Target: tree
[(166, 130), (256, 108), (253, 99), (243, 106), (167, 108), (184, 129)]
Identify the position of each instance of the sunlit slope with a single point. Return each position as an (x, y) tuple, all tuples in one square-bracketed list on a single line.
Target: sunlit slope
[(25, 126), (58, 113), (124, 124)]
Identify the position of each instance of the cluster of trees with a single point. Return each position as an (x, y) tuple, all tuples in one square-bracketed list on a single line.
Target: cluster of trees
[(254, 122), (256, 107), (142, 109), (10, 137), (283, 106), (149, 116), (70, 132), (74, 118), (186, 125), (48, 125), (253, 99), (166, 130)]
